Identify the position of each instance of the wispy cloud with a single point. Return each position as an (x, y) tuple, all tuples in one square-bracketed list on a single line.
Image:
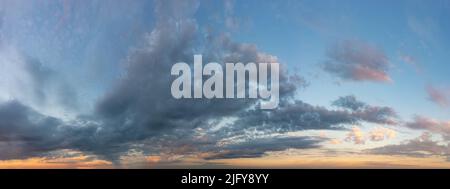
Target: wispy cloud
[(422, 146), (439, 96), (431, 125)]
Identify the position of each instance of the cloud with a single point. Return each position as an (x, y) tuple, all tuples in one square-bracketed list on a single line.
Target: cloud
[(355, 60), (376, 114), (26, 133), (349, 102), (258, 147), (438, 96), (139, 107), (27, 80), (356, 136), (231, 21), (410, 60), (99, 137), (335, 141), (381, 133), (422, 146), (429, 124), (138, 113), (298, 115), (363, 111), (294, 116), (427, 29)]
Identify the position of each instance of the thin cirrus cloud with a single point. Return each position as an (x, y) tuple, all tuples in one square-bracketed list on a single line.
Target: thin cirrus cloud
[(438, 96), (356, 60), (382, 133)]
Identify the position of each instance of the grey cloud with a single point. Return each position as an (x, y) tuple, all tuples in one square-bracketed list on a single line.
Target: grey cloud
[(431, 125), (349, 102), (24, 132), (140, 106), (293, 116), (356, 60), (258, 147), (438, 96), (374, 114), (298, 116), (422, 146)]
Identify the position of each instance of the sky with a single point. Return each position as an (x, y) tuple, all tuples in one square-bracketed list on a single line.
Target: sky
[(86, 84)]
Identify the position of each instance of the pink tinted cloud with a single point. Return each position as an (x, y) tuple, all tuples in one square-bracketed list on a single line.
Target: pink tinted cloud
[(364, 73), (356, 60), (431, 125), (438, 95)]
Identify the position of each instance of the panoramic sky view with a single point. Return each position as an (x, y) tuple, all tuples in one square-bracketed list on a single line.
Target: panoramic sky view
[(86, 84)]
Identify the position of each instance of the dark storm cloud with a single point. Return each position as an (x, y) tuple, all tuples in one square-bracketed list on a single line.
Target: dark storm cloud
[(27, 133), (357, 61), (23, 132)]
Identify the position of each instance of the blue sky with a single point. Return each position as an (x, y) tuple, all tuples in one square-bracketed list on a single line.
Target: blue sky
[(92, 51)]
